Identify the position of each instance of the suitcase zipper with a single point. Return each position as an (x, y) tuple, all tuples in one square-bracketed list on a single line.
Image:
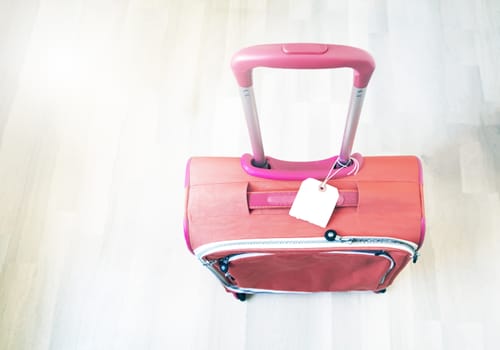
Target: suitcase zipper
[(355, 243), (308, 243)]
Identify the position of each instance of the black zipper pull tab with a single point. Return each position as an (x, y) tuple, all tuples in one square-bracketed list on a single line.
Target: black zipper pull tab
[(224, 268), (330, 235), (224, 264)]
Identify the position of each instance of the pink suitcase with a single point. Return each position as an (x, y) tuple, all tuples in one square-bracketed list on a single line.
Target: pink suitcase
[(238, 221)]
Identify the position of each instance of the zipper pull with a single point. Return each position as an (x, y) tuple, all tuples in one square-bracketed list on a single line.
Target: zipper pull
[(224, 264), (224, 267), (332, 236)]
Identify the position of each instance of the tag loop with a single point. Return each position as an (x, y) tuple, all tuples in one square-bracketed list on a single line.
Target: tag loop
[(338, 167)]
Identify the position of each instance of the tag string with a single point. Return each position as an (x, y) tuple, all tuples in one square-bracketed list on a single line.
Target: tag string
[(333, 172)]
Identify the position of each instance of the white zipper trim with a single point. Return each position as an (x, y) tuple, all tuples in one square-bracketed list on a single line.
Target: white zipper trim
[(309, 243), (246, 255), (352, 242), (236, 289)]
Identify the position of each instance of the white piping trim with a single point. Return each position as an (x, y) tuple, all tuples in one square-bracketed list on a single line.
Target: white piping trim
[(302, 243)]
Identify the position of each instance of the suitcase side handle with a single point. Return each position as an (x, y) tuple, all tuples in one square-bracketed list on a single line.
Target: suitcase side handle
[(301, 56)]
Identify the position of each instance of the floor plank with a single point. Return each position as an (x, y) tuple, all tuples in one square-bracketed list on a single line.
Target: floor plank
[(102, 102)]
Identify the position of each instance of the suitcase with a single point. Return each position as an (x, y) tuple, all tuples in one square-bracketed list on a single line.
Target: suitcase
[(237, 210)]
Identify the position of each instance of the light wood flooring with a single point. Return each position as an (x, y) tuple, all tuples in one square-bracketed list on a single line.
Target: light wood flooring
[(103, 101)]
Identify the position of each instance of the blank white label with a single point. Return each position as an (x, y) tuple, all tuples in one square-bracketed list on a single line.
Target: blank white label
[(313, 204)]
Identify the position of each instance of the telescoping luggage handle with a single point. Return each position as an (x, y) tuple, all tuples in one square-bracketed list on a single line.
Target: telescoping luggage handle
[(299, 56)]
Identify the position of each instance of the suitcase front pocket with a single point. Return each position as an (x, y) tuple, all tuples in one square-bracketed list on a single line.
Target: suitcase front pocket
[(309, 271)]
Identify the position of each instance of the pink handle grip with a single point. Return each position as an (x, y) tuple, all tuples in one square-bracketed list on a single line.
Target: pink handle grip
[(283, 170), (302, 56)]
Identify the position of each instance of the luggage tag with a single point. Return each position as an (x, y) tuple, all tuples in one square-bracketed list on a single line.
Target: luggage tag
[(315, 202)]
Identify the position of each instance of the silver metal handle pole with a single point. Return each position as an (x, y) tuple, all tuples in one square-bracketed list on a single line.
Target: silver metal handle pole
[(351, 124), (252, 118), (301, 56)]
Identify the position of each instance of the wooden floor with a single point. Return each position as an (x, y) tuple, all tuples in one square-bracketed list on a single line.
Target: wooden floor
[(102, 102)]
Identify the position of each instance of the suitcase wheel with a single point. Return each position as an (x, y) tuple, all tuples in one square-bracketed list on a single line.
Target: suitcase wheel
[(241, 296)]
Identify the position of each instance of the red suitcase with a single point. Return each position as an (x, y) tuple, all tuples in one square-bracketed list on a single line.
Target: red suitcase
[(238, 218)]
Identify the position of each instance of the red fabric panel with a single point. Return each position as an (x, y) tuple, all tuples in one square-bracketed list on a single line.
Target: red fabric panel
[(302, 271)]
